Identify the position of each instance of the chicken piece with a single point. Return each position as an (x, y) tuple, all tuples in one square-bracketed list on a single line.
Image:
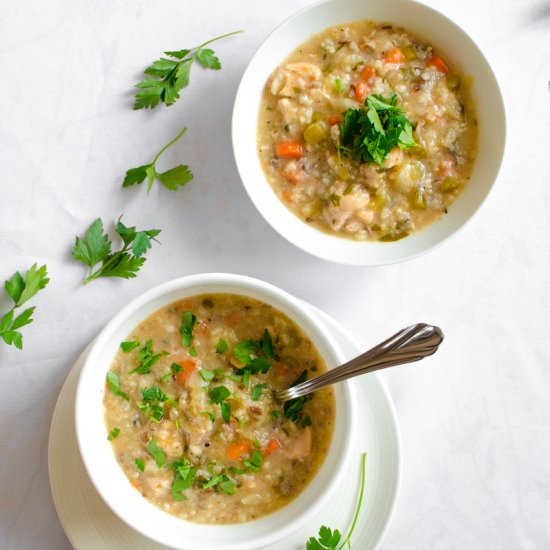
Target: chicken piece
[(299, 447), (291, 79), (394, 158), (338, 215)]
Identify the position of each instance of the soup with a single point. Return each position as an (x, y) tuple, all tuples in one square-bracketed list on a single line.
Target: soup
[(191, 413), (366, 132)]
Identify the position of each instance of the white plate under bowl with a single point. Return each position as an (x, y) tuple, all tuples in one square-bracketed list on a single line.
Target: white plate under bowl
[(428, 24), (90, 524)]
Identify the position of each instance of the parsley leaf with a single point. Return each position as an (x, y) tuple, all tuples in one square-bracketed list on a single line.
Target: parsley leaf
[(156, 452), (169, 76), (223, 482), (152, 403), (222, 346), (245, 351), (95, 248), (267, 345), (171, 179), (140, 464), (207, 375), (294, 408), (329, 539), (183, 478), (113, 434), (113, 382), (254, 463), (369, 135), (188, 322), (128, 346), (218, 395), (21, 289), (146, 358), (256, 392)]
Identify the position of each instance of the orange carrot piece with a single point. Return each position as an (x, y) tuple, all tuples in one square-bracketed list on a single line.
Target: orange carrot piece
[(366, 74), (333, 119), (236, 451), (289, 149), (361, 91), (395, 56), (287, 196), (189, 368), (272, 446), (437, 63)]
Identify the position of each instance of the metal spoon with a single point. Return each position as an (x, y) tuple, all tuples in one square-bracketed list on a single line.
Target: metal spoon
[(406, 346)]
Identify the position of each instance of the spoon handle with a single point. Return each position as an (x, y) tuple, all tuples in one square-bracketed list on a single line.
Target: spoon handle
[(406, 346)]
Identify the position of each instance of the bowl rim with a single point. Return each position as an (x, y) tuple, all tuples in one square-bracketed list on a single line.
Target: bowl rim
[(240, 154), (272, 294)]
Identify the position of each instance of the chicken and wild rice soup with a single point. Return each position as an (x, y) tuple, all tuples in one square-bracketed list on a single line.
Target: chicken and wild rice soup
[(367, 132), (191, 414)]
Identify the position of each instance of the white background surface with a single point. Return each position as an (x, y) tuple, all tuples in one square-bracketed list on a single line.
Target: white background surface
[(475, 419)]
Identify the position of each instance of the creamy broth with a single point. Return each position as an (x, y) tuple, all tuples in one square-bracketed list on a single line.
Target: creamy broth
[(299, 132), (212, 455)]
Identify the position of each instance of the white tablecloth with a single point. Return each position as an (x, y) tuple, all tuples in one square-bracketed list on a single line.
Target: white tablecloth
[(475, 419)]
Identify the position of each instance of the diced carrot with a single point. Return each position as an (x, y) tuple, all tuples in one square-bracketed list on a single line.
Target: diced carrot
[(361, 91), (395, 55), (289, 149), (293, 176), (237, 451), (272, 446), (366, 74), (287, 196), (189, 368), (333, 119), (437, 63)]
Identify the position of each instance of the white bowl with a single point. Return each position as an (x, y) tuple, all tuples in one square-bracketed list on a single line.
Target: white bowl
[(113, 485), (437, 30)]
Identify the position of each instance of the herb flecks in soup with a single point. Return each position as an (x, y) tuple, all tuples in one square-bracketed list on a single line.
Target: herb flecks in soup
[(191, 414), (366, 133)]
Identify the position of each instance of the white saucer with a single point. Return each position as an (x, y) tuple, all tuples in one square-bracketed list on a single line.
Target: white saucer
[(90, 524)]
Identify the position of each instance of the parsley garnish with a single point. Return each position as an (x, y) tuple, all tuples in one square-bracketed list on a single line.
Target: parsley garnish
[(21, 289), (151, 406), (140, 464), (169, 76), (218, 395), (180, 175), (146, 358), (113, 382), (156, 452), (183, 478), (188, 322), (294, 408), (254, 463), (222, 346), (369, 135), (113, 434), (256, 392), (95, 248), (328, 539), (223, 481), (275, 415), (128, 346), (246, 350), (207, 375)]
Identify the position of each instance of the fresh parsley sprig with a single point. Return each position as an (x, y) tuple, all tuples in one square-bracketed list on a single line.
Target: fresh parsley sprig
[(171, 179), (369, 135), (329, 539), (95, 248), (168, 76), (21, 289)]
